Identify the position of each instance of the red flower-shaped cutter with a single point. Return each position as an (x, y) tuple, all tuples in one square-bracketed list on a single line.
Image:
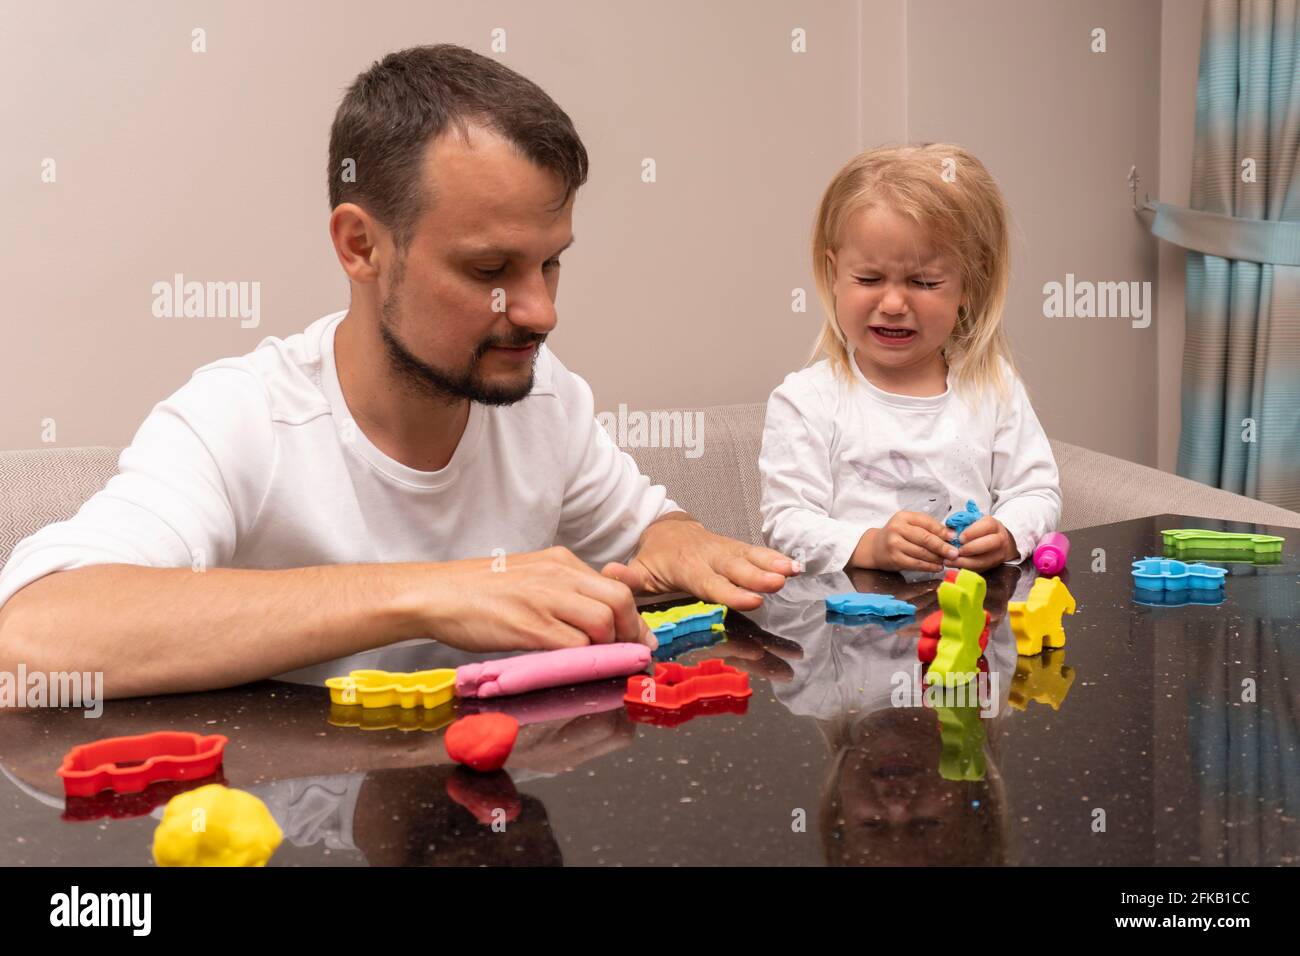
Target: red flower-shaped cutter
[(129, 764), (675, 685)]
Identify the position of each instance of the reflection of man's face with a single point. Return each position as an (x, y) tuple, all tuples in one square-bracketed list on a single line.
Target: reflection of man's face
[(473, 296), (897, 809)]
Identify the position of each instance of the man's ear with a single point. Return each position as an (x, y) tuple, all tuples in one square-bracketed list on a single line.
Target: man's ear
[(355, 236)]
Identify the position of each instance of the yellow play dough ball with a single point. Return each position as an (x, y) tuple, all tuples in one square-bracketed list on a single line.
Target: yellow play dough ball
[(215, 826)]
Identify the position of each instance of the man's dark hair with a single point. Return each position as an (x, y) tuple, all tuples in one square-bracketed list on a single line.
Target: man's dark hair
[(403, 102)]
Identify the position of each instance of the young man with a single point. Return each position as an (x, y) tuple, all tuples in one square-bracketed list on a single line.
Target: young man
[(420, 466)]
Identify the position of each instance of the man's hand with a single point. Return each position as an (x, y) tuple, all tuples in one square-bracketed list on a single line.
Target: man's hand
[(909, 541), (677, 553), (535, 601), (985, 544), (559, 745)]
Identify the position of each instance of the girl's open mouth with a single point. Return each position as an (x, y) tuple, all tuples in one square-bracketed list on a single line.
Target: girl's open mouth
[(892, 336)]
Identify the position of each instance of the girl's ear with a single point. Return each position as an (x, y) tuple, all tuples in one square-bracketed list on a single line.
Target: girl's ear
[(830, 256)]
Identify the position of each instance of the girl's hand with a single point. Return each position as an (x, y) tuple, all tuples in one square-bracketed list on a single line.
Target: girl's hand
[(986, 544), (909, 541)]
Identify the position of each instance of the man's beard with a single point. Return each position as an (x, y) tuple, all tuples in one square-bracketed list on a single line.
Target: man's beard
[(451, 386)]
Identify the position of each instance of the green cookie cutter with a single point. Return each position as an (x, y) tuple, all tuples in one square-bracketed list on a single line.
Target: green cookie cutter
[(1247, 546)]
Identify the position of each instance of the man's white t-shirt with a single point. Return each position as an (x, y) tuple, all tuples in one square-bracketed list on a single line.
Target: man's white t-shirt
[(842, 456), (257, 463)]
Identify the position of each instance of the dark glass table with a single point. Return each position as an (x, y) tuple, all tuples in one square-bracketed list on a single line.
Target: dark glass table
[(1158, 735)]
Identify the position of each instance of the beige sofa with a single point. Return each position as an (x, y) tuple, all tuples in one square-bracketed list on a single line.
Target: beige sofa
[(720, 487)]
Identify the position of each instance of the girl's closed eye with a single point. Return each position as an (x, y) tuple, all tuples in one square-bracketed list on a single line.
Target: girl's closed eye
[(920, 282)]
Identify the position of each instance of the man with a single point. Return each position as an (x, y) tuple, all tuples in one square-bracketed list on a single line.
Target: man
[(419, 466)]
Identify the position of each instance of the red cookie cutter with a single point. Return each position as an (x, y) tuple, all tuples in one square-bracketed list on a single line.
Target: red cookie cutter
[(708, 707), (124, 806), (928, 645), (673, 686), (129, 764)]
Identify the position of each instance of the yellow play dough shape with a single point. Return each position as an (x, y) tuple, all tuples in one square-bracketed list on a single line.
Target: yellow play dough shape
[(1036, 622), (1044, 678), (215, 826), (371, 688)]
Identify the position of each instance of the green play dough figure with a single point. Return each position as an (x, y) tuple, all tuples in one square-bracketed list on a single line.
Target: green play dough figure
[(962, 735), (962, 602)]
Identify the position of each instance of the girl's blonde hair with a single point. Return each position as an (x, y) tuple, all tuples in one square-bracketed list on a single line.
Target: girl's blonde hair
[(946, 191)]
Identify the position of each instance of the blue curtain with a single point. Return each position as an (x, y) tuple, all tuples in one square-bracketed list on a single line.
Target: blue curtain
[(1241, 364)]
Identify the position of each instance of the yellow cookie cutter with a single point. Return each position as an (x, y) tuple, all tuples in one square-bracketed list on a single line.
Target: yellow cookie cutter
[(392, 718), (370, 688)]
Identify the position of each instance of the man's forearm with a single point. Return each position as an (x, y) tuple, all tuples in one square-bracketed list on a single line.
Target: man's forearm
[(168, 630)]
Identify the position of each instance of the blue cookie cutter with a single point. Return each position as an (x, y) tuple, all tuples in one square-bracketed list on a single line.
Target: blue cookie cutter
[(1180, 598), (670, 649), (854, 604), (959, 521), (1166, 574)]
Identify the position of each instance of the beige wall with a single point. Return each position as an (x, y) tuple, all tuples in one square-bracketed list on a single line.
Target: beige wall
[(677, 292), (1180, 57), (1058, 126)]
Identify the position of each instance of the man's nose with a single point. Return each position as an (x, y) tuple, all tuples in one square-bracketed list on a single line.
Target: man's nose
[(530, 306)]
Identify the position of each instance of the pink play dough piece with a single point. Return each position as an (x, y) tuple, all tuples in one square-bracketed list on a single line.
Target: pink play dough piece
[(572, 665), (544, 706)]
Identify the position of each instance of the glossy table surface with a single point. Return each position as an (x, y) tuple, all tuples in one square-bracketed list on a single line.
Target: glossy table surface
[(1158, 735)]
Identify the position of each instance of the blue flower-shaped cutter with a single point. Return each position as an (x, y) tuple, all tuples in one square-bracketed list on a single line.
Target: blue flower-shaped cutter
[(1180, 598), (1166, 574)]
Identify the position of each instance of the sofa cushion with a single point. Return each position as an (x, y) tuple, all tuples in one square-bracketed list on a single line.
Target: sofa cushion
[(42, 485), (720, 487)]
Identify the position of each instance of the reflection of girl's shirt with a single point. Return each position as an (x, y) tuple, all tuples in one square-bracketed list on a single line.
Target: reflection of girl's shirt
[(846, 668)]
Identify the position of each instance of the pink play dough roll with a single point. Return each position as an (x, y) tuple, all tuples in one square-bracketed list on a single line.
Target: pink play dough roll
[(572, 665), (553, 704)]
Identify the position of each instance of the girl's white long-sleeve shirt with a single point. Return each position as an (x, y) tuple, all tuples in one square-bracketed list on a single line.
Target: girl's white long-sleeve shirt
[(842, 456)]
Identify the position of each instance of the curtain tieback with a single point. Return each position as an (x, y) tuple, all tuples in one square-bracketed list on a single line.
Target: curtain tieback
[(1245, 240)]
